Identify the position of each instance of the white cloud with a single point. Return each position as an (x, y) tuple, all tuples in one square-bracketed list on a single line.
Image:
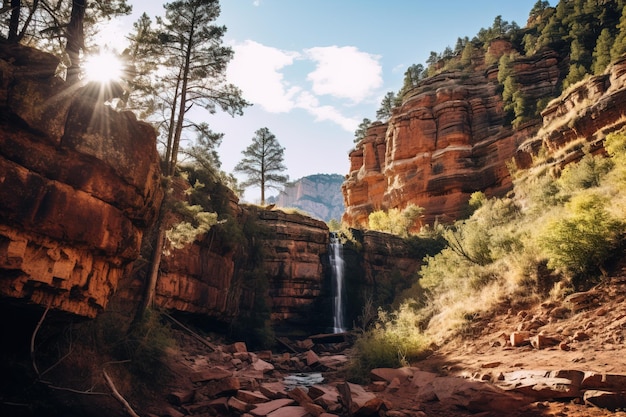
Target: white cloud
[(340, 72), (255, 69), (256, 3), (344, 72), (310, 103)]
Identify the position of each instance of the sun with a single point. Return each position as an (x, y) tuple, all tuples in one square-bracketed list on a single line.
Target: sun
[(104, 67)]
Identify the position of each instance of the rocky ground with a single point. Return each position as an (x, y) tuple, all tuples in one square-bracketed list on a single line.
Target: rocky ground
[(555, 359)]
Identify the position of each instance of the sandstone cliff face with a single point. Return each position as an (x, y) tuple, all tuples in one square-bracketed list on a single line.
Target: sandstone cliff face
[(381, 268), (318, 195), (214, 277), (448, 139), (296, 250), (78, 184), (580, 119)]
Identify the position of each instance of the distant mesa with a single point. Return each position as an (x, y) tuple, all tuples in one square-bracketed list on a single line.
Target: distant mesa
[(318, 195)]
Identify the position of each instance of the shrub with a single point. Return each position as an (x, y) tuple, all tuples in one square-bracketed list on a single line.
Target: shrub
[(587, 173), (395, 340), (584, 238), (398, 222)]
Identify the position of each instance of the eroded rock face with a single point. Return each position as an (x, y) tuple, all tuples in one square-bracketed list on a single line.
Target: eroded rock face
[(296, 250), (580, 118), (78, 184), (448, 139), (214, 275)]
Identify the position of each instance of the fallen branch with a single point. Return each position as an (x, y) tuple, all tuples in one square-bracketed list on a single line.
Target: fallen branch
[(191, 332), (117, 395), (32, 339), (286, 344)]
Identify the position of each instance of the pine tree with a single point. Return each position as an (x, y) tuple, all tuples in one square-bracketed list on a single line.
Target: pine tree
[(619, 46), (602, 52), (386, 106), (193, 62), (263, 163), (361, 130)]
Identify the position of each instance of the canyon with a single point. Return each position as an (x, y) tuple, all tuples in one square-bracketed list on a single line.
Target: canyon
[(449, 138), (81, 187)]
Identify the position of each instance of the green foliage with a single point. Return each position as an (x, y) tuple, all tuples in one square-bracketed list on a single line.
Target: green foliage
[(576, 73), (583, 239), (602, 52), (615, 145), (146, 345), (334, 225), (587, 173), (185, 232), (262, 163), (477, 200), (398, 222), (619, 45), (195, 221), (386, 106), (361, 130), (395, 340)]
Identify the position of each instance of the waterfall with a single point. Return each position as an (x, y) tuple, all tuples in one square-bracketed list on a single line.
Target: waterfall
[(337, 265)]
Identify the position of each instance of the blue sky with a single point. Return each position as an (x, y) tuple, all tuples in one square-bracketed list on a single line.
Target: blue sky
[(315, 68)]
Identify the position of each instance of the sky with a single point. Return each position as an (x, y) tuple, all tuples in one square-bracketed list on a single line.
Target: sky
[(314, 69)]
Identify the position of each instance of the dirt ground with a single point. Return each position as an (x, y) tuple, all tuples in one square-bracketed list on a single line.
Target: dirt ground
[(592, 340)]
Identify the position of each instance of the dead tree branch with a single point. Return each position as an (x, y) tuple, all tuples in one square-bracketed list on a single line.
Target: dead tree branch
[(34, 336), (191, 332), (117, 395)]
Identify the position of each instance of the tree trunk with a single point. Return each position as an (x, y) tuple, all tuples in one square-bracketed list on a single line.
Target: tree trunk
[(14, 22), (75, 39), (155, 263)]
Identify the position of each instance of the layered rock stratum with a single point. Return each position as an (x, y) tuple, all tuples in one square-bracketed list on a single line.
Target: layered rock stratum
[(449, 138), (79, 183)]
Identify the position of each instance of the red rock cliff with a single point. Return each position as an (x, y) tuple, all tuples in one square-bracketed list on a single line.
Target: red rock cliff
[(448, 139), (78, 184), (210, 276), (580, 119)]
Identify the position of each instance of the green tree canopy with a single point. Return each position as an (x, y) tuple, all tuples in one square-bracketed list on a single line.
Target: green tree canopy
[(361, 130), (386, 106), (186, 47), (602, 52), (263, 163)]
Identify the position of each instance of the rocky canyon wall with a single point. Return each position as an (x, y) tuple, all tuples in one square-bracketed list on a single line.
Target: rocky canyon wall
[(79, 182), (448, 139), (579, 120)]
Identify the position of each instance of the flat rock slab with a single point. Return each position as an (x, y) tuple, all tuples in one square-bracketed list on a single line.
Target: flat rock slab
[(264, 409), (542, 385), (289, 411), (472, 395), (212, 374), (388, 374), (605, 382)]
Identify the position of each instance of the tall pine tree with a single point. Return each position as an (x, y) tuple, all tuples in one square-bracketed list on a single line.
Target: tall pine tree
[(263, 163)]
